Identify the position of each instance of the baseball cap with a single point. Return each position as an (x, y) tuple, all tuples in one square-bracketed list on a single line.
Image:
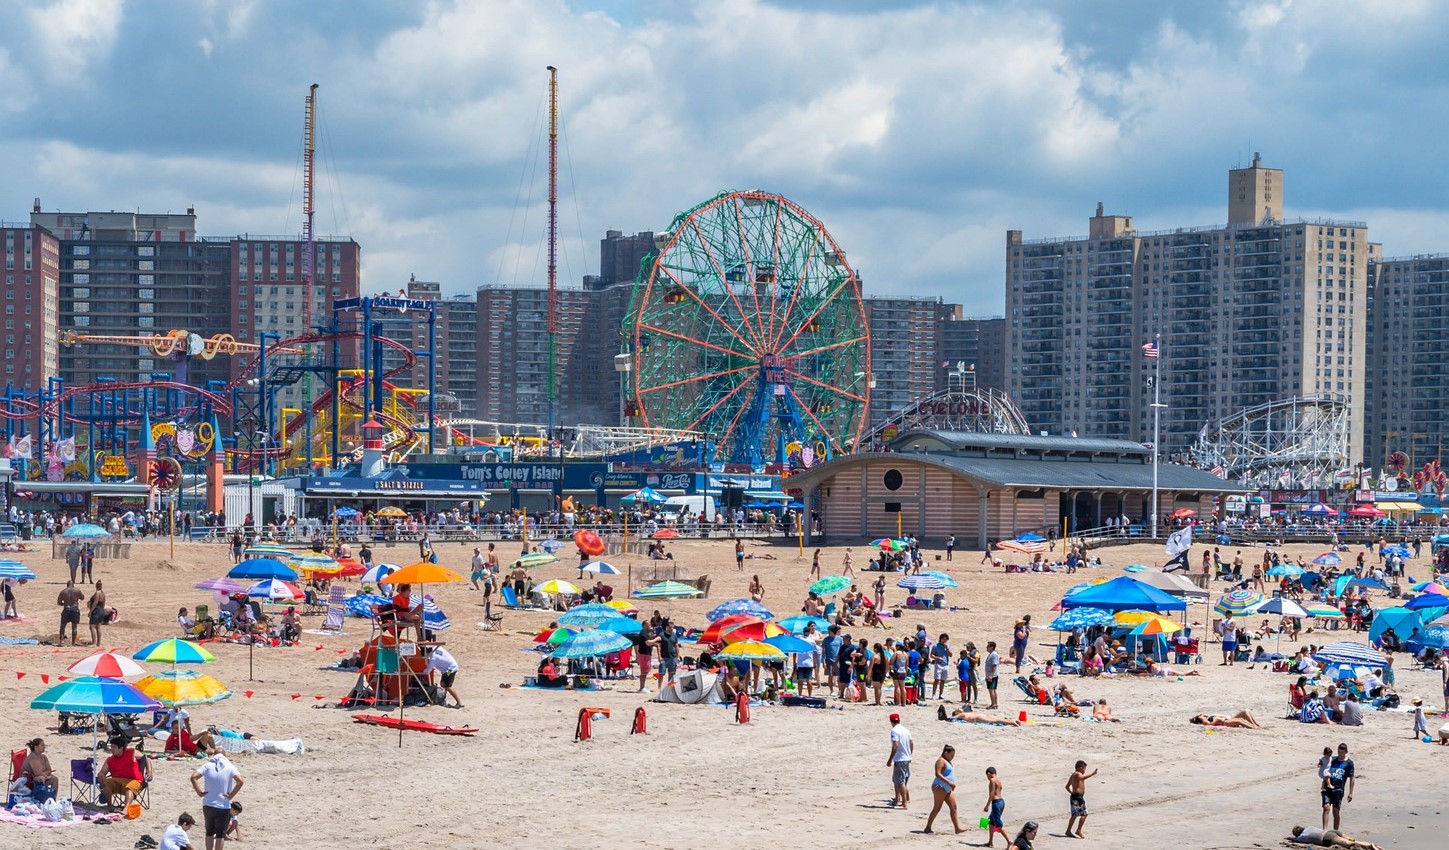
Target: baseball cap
[(895, 718)]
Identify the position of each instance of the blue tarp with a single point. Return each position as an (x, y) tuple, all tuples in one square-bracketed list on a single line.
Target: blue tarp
[(1123, 593)]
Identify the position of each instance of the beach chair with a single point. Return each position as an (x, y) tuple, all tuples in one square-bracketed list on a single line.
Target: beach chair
[(84, 788), (17, 763)]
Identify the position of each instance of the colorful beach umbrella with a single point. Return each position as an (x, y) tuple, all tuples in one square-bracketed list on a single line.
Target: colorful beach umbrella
[(379, 573), (174, 651), (1322, 611), (888, 544), (1028, 548), (623, 606), (921, 582), (391, 512), (554, 636), (739, 606), (1328, 559), (276, 590), (224, 586), (1239, 602), (268, 550), (94, 695), (423, 572), (600, 568), (589, 542), (534, 559), (108, 664), (829, 585), (791, 644), (591, 644), (750, 651), (760, 631), (257, 569), (1430, 587), (668, 590), (558, 585), (714, 632), (178, 688), (182, 687), (433, 617), (361, 604), (1156, 626), (1350, 652)]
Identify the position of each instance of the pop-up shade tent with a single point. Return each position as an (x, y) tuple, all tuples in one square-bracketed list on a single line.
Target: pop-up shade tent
[(1124, 593), (696, 686)]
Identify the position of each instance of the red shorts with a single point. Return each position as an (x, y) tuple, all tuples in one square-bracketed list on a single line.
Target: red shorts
[(645, 662)]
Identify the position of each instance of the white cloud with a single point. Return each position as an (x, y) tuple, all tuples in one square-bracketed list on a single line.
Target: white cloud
[(75, 35)]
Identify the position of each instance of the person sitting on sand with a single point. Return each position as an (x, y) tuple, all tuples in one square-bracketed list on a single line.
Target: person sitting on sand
[(1065, 694), (1328, 838), (1092, 664), (548, 675), (1313, 710), (1242, 720), (965, 715), (872, 619), (1101, 711)]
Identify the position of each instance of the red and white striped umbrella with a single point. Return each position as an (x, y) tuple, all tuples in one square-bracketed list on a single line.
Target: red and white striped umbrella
[(108, 664), (1022, 547)]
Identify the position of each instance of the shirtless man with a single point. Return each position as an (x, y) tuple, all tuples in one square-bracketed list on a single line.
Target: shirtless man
[(965, 716), (1077, 797)]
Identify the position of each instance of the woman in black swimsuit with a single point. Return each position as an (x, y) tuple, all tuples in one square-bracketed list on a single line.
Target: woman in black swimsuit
[(858, 663), (878, 662)]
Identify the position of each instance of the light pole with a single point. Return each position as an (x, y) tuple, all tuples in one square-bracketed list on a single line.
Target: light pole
[(252, 503), (1157, 405)]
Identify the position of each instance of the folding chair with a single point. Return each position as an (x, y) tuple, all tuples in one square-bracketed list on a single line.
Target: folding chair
[(17, 763), (84, 787), (493, 623)]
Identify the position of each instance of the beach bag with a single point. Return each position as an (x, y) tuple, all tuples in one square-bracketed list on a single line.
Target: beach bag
[(52, 811)]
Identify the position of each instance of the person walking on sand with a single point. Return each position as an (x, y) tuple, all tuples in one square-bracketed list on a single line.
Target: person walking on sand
[(739, 555), (848, 565), (989, 669), (1337, 780), (899, 761), (943, 789), (950, 545), (476, 575), (995, 807), (69, 601), (815, 565), (73, 558), (1077, 798), (1020, 636)]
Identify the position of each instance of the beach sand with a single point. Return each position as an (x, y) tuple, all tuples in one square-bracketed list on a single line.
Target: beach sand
[(796, 777)]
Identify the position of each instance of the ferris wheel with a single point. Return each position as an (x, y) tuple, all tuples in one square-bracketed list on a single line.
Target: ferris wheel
[(747, 325)]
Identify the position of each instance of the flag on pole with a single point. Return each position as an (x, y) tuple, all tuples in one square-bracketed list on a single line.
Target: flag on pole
[(1149, 350), (1218, 470), (1179, 541)]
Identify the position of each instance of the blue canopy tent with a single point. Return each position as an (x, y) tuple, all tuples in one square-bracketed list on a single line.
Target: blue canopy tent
[(1401, 620), (1123, 593)]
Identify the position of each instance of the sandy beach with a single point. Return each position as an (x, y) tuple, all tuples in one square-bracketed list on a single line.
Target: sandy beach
[(795, 776)]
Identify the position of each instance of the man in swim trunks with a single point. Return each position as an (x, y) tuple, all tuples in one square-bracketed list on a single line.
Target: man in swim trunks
[(1077, 798), (1337, 780)]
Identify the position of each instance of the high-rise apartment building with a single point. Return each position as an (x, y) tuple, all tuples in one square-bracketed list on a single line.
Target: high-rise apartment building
[(1257, 310), (619, 258), (134, 274), (979, 343), (905, 352), (1408, 384), (512, 355), (455, 339), (32, 305)]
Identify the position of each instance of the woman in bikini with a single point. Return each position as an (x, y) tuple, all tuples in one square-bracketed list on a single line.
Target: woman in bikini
[(878, 665), (1242, 720)]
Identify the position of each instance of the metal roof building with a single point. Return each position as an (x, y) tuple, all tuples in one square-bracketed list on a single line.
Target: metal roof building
[(981, 487)]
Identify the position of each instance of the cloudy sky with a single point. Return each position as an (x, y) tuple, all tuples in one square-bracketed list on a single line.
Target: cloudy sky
[(917, 132)]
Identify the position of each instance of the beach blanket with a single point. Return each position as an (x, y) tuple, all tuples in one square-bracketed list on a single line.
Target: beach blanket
[(38, 821), (573, 690), (15, 641)]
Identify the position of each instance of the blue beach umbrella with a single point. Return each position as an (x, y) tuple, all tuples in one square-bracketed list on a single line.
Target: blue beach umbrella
[(591, 644), (15, 570), (668, 590), (797, 623), (1328, 559), (1400, 551), (739, 606), (790, 644), (262, 568), (1030, 537), (1350, 652), (433, 616), (1427, 600), (946, 580), (921, 582), (1080, 618), (622, 626), (94, 695), (1285, 570), (1435, 636), (592, 614), (85, 531), (361, 604)]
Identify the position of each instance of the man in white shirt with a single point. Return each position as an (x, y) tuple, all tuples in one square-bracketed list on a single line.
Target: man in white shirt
[(441, 661), (902, 748), (175, 837)]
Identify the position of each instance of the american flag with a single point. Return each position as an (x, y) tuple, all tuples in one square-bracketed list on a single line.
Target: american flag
[(1218, 471), (1149, 350)]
